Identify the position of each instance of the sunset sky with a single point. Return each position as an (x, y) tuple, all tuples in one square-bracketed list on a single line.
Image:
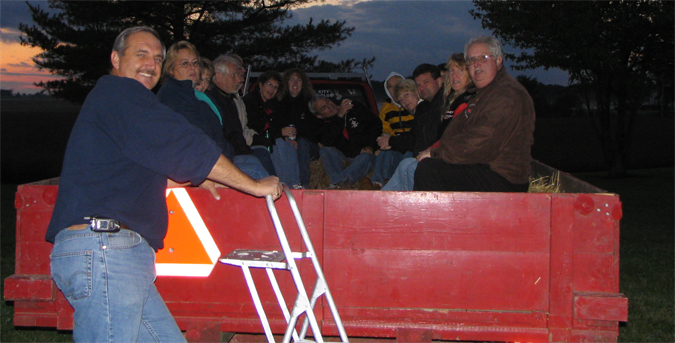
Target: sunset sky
[(400, 34), (17, 70)]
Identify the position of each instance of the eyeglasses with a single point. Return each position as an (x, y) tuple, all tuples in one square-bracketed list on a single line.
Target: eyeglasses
[(188, 64), (475, 59), (235, 75), (240, 72)]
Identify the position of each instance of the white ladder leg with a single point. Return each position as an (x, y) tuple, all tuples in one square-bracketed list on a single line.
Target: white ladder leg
[(257, 303), (280, 298)]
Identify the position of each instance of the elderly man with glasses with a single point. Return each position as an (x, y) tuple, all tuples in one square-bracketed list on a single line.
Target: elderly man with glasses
[(487, 147), (228, 79)]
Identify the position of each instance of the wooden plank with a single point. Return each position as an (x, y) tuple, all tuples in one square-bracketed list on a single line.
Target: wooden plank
[(601, 306), (32, 258), (594, 211), (562, 266), (438, 279), (29, 287), (438, 221), (594, 272)]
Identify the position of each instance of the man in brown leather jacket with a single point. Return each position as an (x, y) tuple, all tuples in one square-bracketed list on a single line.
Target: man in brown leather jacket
[(487, 147)]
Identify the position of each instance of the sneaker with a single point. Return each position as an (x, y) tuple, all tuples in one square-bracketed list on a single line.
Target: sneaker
[(333, 186), (298, 187), (377, 186)]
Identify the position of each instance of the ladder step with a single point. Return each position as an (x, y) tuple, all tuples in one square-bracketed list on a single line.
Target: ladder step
[(256, 259), (256, 255)]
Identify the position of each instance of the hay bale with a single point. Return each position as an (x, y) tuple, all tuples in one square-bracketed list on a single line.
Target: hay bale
[(318, 177), (545, 184), (320, 180)]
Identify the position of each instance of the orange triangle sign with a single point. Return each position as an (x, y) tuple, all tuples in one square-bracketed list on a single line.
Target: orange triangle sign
[(189, 248), (181, 244)]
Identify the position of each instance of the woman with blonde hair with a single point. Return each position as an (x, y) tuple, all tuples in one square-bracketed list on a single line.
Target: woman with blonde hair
[(457, 83)]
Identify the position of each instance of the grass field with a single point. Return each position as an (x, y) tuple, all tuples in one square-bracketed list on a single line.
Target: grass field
[(647, 259)]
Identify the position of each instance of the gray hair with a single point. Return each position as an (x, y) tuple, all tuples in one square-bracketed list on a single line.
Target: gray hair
[(312, 102), (490, 41), (120, 45), (221, 62)]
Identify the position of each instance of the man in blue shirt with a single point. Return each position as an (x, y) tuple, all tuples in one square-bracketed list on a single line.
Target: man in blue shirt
[(110, 215)]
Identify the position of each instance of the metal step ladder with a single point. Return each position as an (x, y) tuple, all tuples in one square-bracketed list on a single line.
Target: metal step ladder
[(271, 260)]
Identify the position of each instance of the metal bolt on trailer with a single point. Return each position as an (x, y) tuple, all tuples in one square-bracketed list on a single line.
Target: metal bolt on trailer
[(271, 260)]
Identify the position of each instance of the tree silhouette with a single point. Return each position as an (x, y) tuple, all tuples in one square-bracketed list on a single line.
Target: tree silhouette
[(76, 36), (621, 52)]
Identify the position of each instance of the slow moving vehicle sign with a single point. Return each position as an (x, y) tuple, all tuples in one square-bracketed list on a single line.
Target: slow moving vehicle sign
[(189, 248)]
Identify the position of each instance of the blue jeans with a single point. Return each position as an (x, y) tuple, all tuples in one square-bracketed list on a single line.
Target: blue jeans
[(285, 158), (386, 163), (109, 278), (332, 161), (263, 155), (404, 176), (307, 151), (251, 166)]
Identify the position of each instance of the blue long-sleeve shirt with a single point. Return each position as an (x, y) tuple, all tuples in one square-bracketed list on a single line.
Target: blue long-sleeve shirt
[(124, 145)]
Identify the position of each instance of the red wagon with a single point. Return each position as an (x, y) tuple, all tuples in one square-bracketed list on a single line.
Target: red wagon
[(416, 266)]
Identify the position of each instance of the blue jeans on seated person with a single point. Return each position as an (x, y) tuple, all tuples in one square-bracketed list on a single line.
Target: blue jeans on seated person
[(263, 155), (332, 161), (285, 158), (251, 166), (404, 176), (386, 163), (307, 151), (109, 278)]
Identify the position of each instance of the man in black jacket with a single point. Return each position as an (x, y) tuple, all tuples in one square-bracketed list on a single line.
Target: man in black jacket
[(349, 131), (429, 84)]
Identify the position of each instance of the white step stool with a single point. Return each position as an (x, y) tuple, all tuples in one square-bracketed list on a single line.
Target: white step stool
[(271, 260)]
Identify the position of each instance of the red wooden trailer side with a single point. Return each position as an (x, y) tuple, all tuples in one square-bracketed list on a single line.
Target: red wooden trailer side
[(535, 267)]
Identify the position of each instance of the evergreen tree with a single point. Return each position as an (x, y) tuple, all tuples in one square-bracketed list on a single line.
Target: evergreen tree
[(76, 36)]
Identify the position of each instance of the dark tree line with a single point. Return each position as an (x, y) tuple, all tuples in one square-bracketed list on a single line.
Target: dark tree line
[(76, 36), (9, 94), (620, 53)]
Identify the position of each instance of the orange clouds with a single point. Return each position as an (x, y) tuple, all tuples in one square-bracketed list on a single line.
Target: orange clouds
[(17, 70)]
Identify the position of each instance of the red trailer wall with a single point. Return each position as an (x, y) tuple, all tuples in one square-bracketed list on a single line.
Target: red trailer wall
[(448, 266)]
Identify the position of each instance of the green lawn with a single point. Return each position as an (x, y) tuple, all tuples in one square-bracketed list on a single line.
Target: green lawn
[(647, 259)]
